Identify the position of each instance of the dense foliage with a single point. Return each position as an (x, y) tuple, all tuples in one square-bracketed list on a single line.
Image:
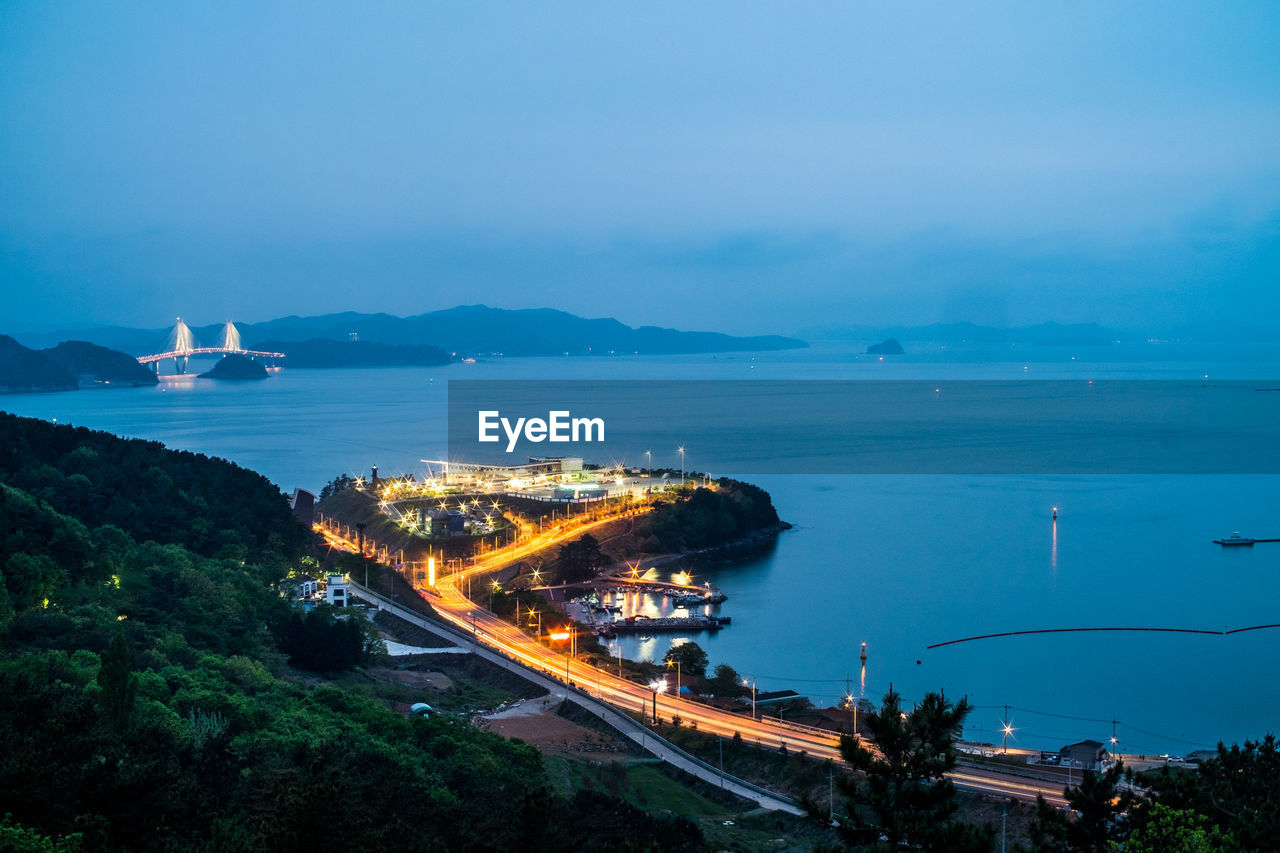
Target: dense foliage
[(209, 507), (143, 697), (23, 369), (329, 640), (710, 517), (1232, 803), (1237, 792)]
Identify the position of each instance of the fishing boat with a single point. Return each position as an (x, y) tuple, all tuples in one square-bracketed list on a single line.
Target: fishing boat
[(1235, 540)]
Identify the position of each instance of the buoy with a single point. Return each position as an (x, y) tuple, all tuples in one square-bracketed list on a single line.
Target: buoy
[(1055, 513), (863, 656)]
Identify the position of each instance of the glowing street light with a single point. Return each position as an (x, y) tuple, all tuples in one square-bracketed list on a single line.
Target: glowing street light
[(657, 686), (681, 449), (752, 685), (850, 702), (1005, 731), (648, 469)]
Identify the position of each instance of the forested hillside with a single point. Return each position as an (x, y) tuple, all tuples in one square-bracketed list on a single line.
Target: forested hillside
[(709, 518), (145, 703)]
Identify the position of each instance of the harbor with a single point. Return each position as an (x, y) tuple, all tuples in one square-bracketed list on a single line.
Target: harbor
[(647, 606)]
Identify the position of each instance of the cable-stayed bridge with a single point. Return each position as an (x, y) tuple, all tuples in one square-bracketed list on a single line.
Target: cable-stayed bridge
[(182, 344)]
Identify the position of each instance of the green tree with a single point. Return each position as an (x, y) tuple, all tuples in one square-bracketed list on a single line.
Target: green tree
[(118, 683), (580, 559), (726, 681), (1098, 802), (691, 658), (1238, 790), (905, 795), (19, 839), (1166, 830)]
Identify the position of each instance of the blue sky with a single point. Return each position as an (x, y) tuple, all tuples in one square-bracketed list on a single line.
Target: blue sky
[(742, 167)]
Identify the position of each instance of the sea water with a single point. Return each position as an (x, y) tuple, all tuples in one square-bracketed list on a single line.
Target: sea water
[(901, 562)]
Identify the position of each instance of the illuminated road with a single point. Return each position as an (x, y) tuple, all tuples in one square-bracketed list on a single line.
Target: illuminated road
[(624, 724), (455, 608)]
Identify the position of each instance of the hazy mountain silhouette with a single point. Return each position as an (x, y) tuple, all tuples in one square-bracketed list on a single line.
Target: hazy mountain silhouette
[(465, 330)]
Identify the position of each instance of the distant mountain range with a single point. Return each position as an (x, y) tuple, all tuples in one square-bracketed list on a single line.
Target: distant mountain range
[(1042, 334), (469, 330)]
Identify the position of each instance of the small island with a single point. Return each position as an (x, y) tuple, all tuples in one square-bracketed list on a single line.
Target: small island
[(887, 347), (236, 367)]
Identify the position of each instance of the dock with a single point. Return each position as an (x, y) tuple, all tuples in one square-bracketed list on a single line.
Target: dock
[(644, 625), (1238, 541)]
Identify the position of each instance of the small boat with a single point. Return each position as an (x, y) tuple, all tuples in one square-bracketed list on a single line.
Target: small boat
[(1235, 539)]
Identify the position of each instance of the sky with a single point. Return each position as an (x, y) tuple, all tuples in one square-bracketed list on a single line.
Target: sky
[(743, 167)]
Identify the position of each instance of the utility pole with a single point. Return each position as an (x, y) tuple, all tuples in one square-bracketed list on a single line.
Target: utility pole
[(831, 793)]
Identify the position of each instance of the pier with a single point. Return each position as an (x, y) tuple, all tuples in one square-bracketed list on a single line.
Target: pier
[(644, 625), (1235, 540)]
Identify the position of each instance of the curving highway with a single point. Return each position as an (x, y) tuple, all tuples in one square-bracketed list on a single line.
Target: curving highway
[(452, 605)]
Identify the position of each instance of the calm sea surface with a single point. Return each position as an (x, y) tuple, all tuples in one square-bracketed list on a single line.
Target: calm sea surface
[(900, 562)]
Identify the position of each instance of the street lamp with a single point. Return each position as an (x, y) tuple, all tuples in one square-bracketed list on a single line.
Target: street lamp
[(677, 663), (681, 449), (492, 590), (657, 686), (566, 634), (752, 685), (850, 702), (648, 471)]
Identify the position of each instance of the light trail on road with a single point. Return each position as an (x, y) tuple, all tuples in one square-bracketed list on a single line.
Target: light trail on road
[(451, 605)]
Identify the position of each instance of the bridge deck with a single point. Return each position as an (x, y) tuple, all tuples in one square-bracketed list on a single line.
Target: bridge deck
[(161, 356)]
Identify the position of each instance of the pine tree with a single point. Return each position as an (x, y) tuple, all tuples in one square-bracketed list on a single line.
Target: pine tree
[(905, 796)]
